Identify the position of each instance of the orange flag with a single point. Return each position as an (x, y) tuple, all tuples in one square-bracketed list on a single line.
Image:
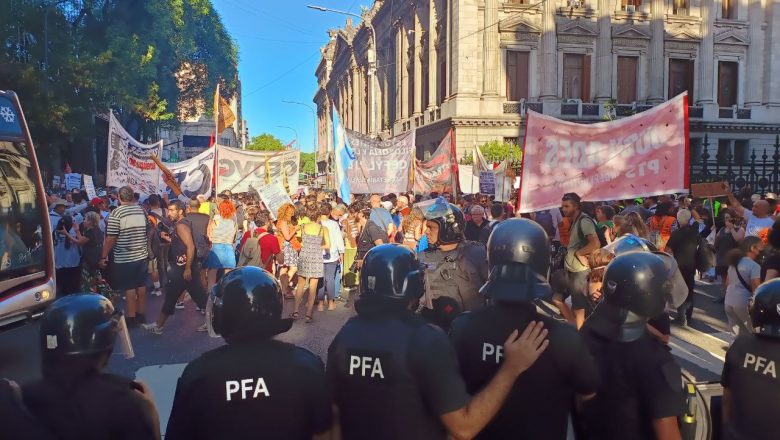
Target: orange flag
[(223, 114)]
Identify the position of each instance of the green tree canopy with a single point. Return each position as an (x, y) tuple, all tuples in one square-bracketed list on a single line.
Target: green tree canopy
[(496, 151), (308, 163), (265, 142)]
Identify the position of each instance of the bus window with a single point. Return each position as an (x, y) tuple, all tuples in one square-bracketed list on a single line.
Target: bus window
[(21, 244)]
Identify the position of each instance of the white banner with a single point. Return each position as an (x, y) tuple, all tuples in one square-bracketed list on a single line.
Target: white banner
[(89, 186), (469, 183), (238, 169), (72, 181), (129, 161), (273, 196), (193, 175)]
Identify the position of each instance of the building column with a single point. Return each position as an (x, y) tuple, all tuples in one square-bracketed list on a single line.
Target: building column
[(490, 50), (549, 49), (405, 63), (707, 55), (417, 60), (656, 53), (604, 52), (356, 96), (433, 67), (399, 72), (772, 61), (755, 55)]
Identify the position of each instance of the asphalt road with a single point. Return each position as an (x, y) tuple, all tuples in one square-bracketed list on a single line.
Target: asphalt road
[(159, 360)]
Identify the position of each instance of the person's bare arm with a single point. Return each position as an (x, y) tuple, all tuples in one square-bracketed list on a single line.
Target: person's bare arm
[(771, 274), (657, 334), (108, 245), (593, 244), (185, 234), (735, 205), (520, 352), (738, 234), (754, 283), (667, 429), (288, 231)]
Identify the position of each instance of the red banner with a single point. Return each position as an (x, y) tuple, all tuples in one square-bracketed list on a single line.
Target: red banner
[(642, 155), (440, 172)]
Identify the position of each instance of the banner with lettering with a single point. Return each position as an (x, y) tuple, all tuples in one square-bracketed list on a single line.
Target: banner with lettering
[(89, 187), (380, 167), (129, 161), (193, 175), (72, 181), (238, 169), (642, 155), (273, 196), (440, 172)]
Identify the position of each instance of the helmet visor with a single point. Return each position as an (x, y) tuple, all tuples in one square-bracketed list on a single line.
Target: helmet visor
[(676, 290), (124, 345), (440, 208), (625, 244), (210, 315)]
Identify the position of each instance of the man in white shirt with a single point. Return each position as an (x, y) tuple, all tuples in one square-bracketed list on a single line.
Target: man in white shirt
[(332, 258), (757, 219)]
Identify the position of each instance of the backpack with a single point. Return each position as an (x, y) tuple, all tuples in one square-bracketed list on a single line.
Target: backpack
[(153, 241), (599, 231), (545, 220)]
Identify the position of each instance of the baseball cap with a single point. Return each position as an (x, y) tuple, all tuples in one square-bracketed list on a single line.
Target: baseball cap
[(770, 196), (59, 202), (96, 201)]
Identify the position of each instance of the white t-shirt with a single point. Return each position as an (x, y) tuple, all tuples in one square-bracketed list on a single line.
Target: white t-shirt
[(736, 293), (755, 224)]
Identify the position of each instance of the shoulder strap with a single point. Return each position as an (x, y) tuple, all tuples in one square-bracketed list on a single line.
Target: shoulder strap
[(742, 280)]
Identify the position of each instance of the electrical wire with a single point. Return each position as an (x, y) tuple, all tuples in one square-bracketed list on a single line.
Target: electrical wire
[(283, 75)]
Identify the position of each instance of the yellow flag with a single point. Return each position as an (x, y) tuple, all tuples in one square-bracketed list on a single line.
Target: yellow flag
[(222, 113)]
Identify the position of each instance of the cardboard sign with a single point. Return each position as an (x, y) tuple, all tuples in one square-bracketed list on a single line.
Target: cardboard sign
[(89, 186), (72, 181), (712, 189), (274, 196)]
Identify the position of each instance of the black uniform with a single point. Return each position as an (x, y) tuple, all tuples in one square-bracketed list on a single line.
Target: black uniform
[(96, 406), (541, 399), (750, 373), (394, 376), (641, 382), (259, 389)]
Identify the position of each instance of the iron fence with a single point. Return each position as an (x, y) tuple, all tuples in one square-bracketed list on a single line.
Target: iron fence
[(760, 173)]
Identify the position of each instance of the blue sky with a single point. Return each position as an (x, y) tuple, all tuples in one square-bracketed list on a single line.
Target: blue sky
[(279, 48)]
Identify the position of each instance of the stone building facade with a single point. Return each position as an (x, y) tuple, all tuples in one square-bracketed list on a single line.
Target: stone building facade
[(478, 65)]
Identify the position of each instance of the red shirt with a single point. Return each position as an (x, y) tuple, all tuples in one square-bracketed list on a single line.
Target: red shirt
[(269, 245)]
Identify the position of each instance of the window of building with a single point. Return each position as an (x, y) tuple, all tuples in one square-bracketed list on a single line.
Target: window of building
[(442, 79), (626, 79), (741, 153), (724, 151), (681, 78), (630, 5), (680, 7), (729, 9), (697, 149), (576, 76), (727, 83), (516, 75)]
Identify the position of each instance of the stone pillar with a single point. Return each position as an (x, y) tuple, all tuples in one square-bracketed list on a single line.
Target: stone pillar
[(549, 50), (405, 62), (356, 96), (417, 60), (490, 50), (655, 55), (399, 72), (772, 60), (604, 52), (755, 55), (707, 53), (433, 66)]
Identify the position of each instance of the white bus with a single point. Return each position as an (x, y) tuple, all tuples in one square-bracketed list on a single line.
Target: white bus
[(27, 282)]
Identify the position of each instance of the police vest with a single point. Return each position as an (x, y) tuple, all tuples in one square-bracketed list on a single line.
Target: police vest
[(455, 274)]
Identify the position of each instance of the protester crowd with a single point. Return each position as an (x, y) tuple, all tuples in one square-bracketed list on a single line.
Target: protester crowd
[(319, 251)]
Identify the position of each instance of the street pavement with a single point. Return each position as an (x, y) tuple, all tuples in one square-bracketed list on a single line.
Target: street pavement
[(159, 360)]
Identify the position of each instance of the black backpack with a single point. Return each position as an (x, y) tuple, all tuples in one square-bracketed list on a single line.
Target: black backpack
[(153, 241), (599, 231)]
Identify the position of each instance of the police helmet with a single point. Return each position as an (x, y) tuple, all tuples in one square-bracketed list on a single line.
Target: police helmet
[(247, 302), (518, 252), (629, 243), (391, 275), (638, 282), (765, 309), (450, 220), (80, 324)]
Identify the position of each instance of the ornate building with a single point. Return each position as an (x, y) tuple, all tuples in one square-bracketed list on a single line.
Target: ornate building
[(479, 65)]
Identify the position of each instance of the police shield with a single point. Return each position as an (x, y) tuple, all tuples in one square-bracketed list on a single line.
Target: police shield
[(628, 243), (677, 291)]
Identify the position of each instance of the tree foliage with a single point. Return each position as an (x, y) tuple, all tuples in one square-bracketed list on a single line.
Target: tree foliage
[(308, 163), (496, 151), (70, 60), (265, 142)]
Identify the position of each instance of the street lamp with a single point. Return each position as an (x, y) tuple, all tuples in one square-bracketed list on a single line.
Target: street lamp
[(294, 131), (372, 80), (313, 113)]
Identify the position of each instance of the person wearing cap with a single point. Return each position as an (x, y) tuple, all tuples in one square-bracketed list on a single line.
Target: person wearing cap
[(56, 211), (757, 218), (751, 389), (519, 260), (255, 386), (771, 198)]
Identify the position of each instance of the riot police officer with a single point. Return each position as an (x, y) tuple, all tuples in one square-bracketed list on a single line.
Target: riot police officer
[(640, 396), (396, 376), (75, 400), (455, 269), (751, 389), (253, 387), (519, 260)]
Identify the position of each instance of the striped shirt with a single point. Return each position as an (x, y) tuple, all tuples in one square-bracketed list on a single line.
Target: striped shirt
[(128, 224)]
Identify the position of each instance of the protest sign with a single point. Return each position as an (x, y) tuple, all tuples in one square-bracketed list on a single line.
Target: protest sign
[(274, 196), (487, 182), (238, 169), (440, 172), (56, 181), (129, 161), (638, 156), (380, 167), (89, 186), (72, 181), (193, 175), (712, 189)]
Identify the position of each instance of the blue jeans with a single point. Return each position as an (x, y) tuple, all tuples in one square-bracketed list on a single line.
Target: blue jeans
[(330, 282)]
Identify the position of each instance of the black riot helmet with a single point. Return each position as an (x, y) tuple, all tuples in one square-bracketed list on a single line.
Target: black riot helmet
[(450, 220), (391, 277), (81, 325), (518, 252), (246, 303), (636, 288), (765, 309)]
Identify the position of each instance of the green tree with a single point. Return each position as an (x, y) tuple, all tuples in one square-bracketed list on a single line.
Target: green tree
[(308, 163), (265, 142), (497, 151)]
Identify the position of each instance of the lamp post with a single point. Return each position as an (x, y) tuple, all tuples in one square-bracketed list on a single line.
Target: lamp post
[(294, 131), (371, 55), (313, 113)]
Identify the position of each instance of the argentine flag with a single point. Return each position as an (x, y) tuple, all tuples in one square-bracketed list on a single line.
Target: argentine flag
[(344, 157)]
